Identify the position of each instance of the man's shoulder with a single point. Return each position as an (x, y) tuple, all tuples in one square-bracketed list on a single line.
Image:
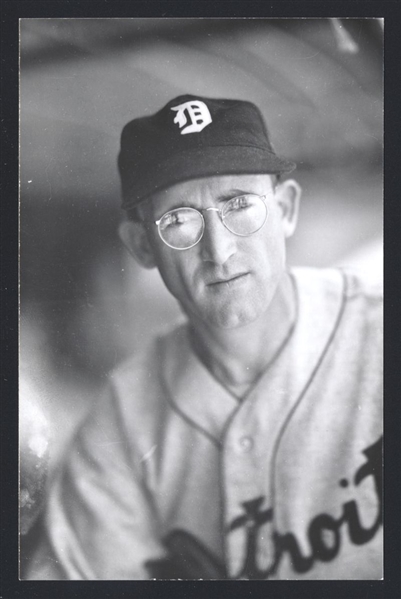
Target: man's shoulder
[(134, 398), (343, 297), (142, 369), (347, 282)]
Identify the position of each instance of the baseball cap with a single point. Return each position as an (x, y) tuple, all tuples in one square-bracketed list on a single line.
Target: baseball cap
[(193, 137)]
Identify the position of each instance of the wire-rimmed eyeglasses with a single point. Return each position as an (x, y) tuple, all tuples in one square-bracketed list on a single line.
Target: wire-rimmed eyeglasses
[(182, 228)]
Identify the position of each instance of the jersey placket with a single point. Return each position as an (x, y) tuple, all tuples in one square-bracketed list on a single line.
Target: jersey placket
[(247, 473)]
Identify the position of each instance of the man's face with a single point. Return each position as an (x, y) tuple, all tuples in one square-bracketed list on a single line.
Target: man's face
[(224, 281)]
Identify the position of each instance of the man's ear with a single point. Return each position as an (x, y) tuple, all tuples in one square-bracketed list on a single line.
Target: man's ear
[(134, 237), (288, 195)]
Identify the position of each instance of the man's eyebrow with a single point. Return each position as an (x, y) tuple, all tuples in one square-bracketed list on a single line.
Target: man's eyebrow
[(233, 193), (175, 206)]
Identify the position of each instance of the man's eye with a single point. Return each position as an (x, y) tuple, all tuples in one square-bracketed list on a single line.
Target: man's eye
[(173, 219), (240, 203)]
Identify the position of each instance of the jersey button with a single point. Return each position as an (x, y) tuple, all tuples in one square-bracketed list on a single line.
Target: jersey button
[(246, 444)]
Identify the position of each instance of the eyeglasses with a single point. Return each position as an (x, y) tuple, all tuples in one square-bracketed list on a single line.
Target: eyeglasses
[(183, 228)]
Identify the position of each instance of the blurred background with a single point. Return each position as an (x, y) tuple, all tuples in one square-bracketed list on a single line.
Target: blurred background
[(85, 305)]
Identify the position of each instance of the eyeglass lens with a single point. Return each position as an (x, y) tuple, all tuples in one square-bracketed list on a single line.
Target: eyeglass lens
[(181, 228)]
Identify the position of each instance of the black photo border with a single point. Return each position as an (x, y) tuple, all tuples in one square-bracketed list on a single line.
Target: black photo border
[(10, 585)]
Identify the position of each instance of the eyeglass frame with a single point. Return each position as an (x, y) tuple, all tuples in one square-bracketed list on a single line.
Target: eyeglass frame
[(214, 209)]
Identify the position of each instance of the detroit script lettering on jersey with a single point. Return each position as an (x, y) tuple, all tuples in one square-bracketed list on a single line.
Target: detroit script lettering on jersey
[(254, 517)]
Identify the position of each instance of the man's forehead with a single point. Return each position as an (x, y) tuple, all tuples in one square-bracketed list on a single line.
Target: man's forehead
[(217, 187)]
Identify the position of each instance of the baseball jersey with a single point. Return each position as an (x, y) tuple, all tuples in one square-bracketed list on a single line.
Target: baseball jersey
[(284, 484)]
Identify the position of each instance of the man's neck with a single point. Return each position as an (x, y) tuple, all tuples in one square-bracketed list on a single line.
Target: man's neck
[(237, 357)]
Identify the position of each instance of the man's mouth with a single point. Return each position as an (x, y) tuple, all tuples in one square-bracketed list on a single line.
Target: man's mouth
[(231, 280)]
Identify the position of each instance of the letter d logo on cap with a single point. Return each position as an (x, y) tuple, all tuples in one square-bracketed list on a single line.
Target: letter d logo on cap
[(198, 113)]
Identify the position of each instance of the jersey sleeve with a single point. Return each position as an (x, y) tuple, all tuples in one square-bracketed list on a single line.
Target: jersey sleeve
[(100, 521)]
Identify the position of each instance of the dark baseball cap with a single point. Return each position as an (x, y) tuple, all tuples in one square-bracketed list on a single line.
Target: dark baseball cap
[(193, 137)]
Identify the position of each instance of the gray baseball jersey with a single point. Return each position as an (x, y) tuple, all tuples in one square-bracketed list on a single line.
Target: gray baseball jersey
[(285, 484)]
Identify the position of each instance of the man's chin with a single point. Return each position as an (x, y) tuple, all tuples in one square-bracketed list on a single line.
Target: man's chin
[(227, 318), (236, 322)]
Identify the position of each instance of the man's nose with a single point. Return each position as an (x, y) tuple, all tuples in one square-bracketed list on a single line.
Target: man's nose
[(217, 243)]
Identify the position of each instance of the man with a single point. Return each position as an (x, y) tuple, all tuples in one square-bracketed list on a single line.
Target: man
[(244, 444)]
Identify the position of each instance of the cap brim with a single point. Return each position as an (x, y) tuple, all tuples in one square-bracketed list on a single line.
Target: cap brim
[(203, 162)]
